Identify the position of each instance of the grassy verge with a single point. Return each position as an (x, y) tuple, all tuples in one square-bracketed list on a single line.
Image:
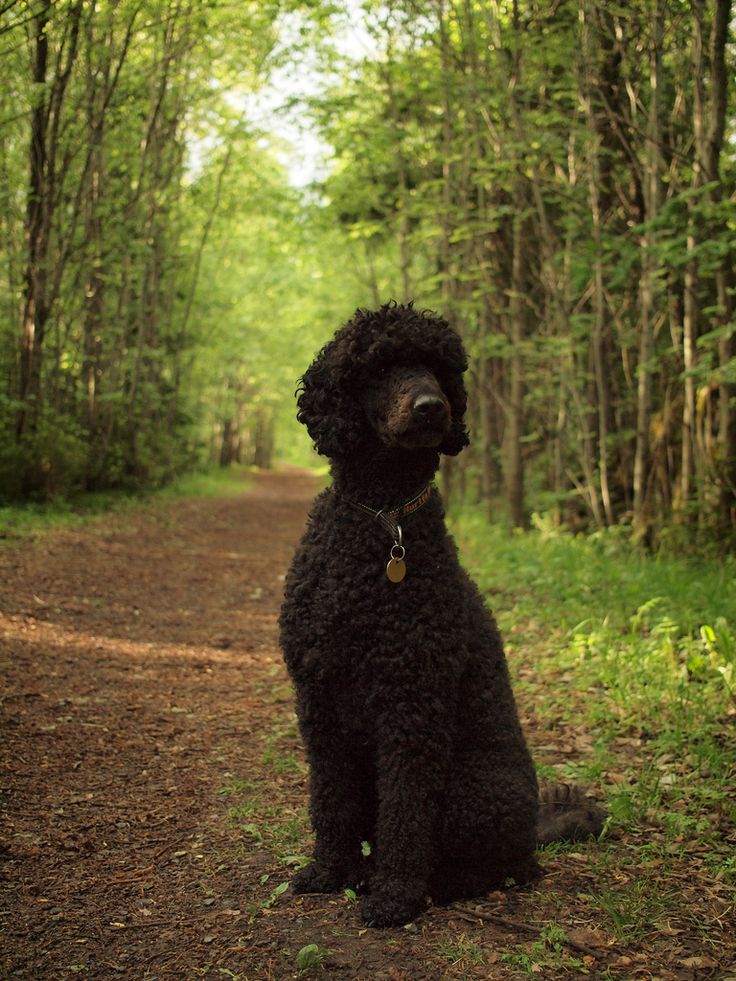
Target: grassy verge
[(19, 520), (629, 661), (655, 636)]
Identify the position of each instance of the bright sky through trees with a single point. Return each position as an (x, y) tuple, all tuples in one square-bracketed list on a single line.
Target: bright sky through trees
[(279, 108)]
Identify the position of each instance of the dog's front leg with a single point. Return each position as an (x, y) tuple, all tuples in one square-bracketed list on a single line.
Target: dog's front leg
[(341, 788), (411, 775)]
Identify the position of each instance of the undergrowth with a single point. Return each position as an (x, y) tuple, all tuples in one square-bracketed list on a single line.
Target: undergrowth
[(656, 635), (643, 628), (633, 658), (19, 520)]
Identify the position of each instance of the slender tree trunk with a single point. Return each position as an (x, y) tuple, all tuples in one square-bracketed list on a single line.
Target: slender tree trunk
[(35, 310), (490, 436), (689, 336), (402, 202), (445, 252), (156, 170), (181, 339), (515, 430), (647, 290), (42, 199), (226, 442), (94, 306), (517, 311), (9, 236), (263, 439), (724, 276), (97, 86), (602, 380), (690, 297)]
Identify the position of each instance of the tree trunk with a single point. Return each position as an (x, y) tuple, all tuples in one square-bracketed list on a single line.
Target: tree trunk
[(227, 440), (490, 434), (515, 431), (517, 325), (263, 439), (402, 197), (598, 341), (35, 309), (445, 253), (647, 290), (42, 198), (724, 276), (689, 337)]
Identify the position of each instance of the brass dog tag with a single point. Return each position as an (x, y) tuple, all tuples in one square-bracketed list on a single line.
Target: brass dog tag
[(396, 568)]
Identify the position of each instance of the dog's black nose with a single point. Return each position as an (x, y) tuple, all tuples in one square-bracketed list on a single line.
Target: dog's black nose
[(430, 408)]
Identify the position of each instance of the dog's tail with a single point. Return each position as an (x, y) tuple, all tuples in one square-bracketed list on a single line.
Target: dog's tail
[(567, 814)]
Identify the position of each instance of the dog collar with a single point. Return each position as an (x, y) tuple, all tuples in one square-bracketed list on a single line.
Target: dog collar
[(396, 567)]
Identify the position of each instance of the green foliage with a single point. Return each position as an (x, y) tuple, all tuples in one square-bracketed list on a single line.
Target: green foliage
[(647, 644), (467, 122), (252, 806), (601, 576), (493, 162), (310, 957), (279, 890), (460, 950), (660, 664), (182, 287), (634, 910), (546, 953), (30, 517)]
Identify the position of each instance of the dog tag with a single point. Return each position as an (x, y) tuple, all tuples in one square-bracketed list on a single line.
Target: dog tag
[(396, 568)]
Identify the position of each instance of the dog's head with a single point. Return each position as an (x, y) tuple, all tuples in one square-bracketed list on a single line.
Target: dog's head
[(393, 376)]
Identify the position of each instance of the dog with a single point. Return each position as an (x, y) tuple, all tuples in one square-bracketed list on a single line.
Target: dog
[(403, 693)]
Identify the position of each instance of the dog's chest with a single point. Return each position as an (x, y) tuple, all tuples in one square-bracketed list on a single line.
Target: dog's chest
[(349, 630)]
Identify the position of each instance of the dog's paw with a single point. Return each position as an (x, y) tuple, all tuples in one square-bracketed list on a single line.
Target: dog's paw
[(382, 909), (317, 878)]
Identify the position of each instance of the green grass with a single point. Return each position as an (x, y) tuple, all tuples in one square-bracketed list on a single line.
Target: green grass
[(573, 580), (635, 655), (20, 520), (545, 956), (254, 805), (643, 629), (459, 950), (215, 482)]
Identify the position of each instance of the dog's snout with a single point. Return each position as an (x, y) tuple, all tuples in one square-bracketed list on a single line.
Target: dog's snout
[(430, 408)]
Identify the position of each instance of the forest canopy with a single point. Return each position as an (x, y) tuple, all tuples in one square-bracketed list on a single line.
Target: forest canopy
[(559, 180)]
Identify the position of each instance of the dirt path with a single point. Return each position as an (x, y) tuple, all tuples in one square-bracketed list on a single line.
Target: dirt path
[(154, 791), (133, 653)]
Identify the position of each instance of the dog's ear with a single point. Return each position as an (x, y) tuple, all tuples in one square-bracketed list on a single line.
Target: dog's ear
[(457, 437), (322, 406), (452, 363)]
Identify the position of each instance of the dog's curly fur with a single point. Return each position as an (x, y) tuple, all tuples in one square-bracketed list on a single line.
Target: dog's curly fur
[(403, 692)]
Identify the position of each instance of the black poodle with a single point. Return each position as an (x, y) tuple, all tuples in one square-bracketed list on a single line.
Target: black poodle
[(403, 693)]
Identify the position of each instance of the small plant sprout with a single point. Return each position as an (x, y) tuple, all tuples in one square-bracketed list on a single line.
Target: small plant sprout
[(310, 957)]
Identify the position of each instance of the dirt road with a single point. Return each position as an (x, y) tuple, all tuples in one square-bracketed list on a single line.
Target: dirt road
[(134, 653), (154, 790)]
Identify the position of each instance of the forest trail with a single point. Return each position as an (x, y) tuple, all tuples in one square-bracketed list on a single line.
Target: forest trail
[(154, 788), (132, 654)]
